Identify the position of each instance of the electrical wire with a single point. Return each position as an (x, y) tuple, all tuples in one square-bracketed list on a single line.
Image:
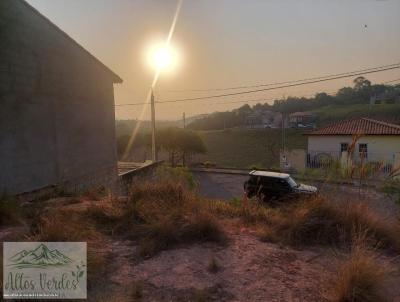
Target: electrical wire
[(265, 89), (281, 83)]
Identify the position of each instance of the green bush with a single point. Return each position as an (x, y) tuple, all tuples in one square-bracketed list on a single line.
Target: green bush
[(391, 188), (177, 174)]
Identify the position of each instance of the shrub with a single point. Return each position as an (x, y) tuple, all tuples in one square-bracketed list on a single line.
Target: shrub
[(362, 277), (180, 175)]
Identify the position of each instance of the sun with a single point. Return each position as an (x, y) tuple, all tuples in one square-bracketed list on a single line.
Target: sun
[(163, 58)]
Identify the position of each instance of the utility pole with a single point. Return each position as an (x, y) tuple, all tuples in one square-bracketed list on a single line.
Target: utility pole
[(153, 129), (183, 153), (283, 132)]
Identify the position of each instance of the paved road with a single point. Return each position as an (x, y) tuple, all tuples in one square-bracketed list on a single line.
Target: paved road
[(220, 186), (227, 186)]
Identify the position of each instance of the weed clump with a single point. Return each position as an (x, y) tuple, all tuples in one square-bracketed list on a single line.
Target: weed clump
[(362, 277)]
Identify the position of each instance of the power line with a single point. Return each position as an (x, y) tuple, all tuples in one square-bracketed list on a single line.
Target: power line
[(274, 88), (282, 83), (396, 80), (265, 89)]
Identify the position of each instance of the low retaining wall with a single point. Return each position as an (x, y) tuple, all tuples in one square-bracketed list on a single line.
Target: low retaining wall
[(127, 179)]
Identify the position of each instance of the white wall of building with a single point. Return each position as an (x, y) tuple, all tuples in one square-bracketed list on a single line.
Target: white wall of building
[(380, 147)]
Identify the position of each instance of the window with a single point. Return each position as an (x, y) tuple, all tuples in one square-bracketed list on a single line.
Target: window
[(292, 183), (344, 147), (363, 150)]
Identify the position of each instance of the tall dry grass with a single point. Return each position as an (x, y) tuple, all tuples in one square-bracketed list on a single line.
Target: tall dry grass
[(317, 221), (362, 277), (159, 216)]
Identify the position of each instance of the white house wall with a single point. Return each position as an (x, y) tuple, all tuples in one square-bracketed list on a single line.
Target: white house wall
[(379, 147)]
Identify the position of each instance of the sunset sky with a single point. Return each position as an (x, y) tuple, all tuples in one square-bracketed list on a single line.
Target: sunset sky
[(224, 43)]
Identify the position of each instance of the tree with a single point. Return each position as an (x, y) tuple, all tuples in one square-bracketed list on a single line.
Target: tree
[(180, 143), (360, 83)]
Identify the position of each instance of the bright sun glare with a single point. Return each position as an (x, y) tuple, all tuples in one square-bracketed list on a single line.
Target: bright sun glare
[(163, 58)]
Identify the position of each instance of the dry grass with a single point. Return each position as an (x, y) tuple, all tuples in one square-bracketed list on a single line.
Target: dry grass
[(253, 212), (213, 266), (362, 277), (67, 225), (163, 215), (60, 225), (137, 291), (159, 216), (10, 211), (317, 221)]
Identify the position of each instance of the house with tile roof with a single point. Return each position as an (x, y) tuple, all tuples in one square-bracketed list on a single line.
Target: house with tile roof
[(372, 140)]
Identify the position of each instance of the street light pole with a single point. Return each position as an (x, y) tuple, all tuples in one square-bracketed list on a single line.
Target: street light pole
[(153, 129)]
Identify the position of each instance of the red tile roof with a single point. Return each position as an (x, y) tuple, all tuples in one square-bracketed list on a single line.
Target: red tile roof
[(363, 126)]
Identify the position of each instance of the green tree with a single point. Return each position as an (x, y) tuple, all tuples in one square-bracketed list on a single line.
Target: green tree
[(361, 83), (180, 144)]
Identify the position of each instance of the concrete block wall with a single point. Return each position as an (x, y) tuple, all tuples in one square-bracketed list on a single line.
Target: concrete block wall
[(57, 120)]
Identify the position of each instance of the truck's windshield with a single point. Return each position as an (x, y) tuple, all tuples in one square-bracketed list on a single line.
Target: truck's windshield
[(291, 182)]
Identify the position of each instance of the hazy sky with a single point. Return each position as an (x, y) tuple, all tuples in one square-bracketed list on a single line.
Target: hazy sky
[(227, 43)]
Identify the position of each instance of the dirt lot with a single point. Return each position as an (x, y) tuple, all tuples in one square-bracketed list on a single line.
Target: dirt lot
[(245, 268)]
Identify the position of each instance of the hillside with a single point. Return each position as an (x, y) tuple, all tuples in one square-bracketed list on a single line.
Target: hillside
[(333, 113), (243, 148), (347, 102)]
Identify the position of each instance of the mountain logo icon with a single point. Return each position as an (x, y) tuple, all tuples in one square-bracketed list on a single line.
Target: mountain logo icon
[(40, 257)]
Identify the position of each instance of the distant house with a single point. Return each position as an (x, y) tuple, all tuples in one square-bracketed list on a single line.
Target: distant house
[(372, 140), (392, 97), (301, 120), (57, 121), (264, 119)]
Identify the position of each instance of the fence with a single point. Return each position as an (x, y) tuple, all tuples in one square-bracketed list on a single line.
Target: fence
[(373, 164)]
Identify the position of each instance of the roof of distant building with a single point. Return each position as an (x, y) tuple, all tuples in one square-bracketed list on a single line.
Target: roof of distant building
[(361, 126)]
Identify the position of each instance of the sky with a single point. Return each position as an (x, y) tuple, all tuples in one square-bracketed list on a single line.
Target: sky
[(225, 43)]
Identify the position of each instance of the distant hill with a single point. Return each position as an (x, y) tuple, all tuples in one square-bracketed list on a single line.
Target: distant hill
[(332, 113), (348, 102)]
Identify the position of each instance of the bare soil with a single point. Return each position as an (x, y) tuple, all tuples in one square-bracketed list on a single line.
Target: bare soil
[(247, 270)]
